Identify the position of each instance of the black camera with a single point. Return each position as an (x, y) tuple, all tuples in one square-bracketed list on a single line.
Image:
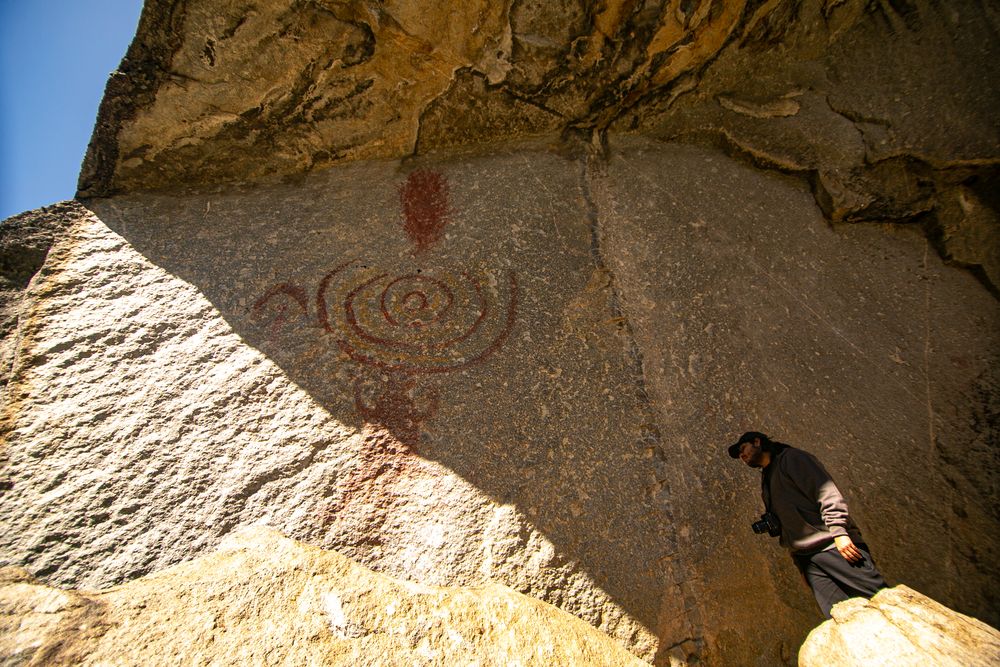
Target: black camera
[(768, 524)]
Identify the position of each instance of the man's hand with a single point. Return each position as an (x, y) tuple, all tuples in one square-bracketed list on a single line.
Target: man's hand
[(847, 549)]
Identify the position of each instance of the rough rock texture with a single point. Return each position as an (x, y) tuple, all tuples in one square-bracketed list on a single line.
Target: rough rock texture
[(522, 369), (227, 90), (902, 627), (263, 599), (567, 252), (24, 243), (441, 398), (852, 342), (887, 108)]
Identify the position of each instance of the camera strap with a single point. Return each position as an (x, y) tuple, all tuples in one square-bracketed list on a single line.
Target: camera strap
[(765, 488), (765, 478)]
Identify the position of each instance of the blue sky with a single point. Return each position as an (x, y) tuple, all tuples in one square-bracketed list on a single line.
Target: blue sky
[(55, 57)]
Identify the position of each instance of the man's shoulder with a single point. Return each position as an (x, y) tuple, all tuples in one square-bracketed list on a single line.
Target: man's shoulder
[(792, 451), (793, 456)]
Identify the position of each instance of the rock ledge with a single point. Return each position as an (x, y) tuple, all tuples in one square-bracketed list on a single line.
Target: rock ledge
[(900, 622), (264, 599)]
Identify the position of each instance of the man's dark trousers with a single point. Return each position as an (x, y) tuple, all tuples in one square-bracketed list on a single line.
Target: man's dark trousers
[(833, 579)]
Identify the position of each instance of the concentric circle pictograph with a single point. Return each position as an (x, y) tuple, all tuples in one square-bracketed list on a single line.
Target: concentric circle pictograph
[(417, 321)]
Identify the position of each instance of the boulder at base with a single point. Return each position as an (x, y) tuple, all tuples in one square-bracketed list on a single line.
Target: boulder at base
[(264, 599), (901, 627)]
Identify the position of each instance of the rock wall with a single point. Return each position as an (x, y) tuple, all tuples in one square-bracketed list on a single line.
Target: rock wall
[(442, 398), (524, 370), (597, 243), (263, 599), (887, 108), (904, 624), (886, 111), (853, 342)]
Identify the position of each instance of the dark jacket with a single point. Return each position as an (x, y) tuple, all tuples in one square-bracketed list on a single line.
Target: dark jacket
[(798, 489)]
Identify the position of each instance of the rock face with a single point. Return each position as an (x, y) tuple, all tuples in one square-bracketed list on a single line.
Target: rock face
[(524, 370), (355, 80), (443, 399), (24, 243), (264, 599), (884, 110), (901, 623), (520, 362), (888, 109)]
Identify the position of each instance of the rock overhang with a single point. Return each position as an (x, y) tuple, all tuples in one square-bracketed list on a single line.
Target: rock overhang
[(610, 364), (222, 91), (888, 112)]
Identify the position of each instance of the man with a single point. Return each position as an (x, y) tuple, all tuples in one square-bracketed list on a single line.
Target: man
[(812, 518)]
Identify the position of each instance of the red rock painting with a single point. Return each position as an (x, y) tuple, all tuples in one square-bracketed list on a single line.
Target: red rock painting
[(401, 326), (282, 304), (416, 323), (424, 199), (365, 498), (397, 403)]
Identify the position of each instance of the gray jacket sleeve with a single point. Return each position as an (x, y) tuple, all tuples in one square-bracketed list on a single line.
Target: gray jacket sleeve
[(815, 482)]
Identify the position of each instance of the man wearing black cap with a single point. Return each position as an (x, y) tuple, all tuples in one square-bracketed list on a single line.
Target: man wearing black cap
[(809, 513)]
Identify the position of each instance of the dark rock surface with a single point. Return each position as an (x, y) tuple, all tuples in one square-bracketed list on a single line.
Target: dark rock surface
[(853, 342), (519, 368), (478, 293), (888, 109)]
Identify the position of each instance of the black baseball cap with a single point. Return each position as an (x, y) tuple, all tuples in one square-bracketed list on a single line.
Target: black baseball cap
[(749, 436)]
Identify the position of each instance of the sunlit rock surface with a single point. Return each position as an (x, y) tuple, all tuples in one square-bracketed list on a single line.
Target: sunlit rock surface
[(524, 371), (225, 90), (263, 599), (478, 294), (887, 108), (899, 626), (449, 402)]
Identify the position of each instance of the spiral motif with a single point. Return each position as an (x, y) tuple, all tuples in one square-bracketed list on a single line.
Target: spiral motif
[(419, 321)]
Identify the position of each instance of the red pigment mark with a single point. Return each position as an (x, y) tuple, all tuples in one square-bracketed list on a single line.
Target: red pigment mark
[(287, 298), (352, 319), (482, 310), (368, 495), (425, 206), (415, 300), (321, 313), (959, 361), (399, 406), (368, 359)]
